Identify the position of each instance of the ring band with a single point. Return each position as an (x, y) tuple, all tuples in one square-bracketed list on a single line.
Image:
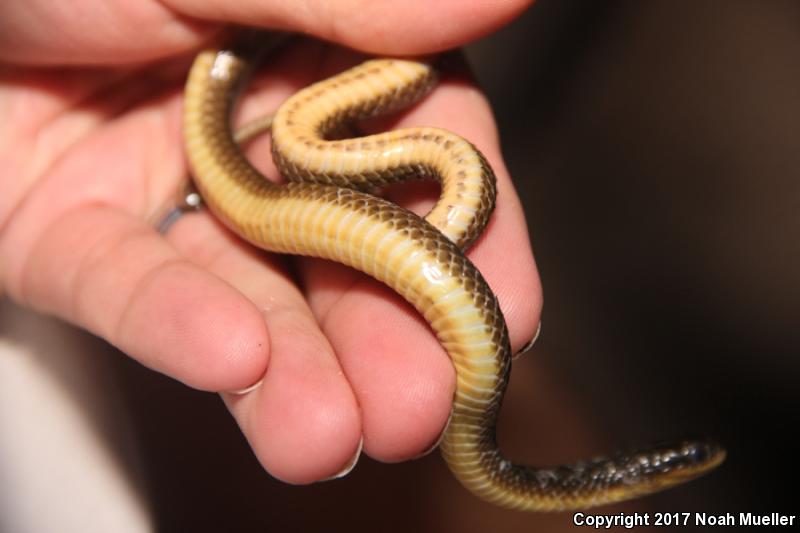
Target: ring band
[(186, 201)]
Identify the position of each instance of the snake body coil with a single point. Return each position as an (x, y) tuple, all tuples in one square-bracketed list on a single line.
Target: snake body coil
[(320, 213)]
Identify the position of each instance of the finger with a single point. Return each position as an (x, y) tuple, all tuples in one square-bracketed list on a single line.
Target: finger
[(38, 32), (302, 420), (399, 372), (385, 27), (95, 32), (108, 272)]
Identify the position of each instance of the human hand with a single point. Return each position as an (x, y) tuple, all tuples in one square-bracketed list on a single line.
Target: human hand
[(90, 153)]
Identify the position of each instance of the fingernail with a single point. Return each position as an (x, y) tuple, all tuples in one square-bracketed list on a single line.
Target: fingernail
[(350, 464), (439, 440), (530, 343), (246, 390)]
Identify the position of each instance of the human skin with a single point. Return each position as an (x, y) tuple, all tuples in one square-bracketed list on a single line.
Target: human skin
[(91, 149)]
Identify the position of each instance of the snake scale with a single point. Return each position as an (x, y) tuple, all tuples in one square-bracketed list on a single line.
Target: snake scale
[(325, 212)]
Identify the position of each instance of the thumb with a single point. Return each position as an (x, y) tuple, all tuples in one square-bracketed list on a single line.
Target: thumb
[(104, 32), (378, 26)]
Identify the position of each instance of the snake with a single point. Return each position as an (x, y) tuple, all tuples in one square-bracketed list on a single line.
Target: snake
[(326, 209)]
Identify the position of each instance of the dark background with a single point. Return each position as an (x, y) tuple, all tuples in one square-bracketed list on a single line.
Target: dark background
[(655, 146)]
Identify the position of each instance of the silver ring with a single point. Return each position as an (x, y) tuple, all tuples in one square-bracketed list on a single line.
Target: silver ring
[(186, 201)]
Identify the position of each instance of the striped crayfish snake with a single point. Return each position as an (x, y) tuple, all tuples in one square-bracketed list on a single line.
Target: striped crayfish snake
[(324, 212)]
